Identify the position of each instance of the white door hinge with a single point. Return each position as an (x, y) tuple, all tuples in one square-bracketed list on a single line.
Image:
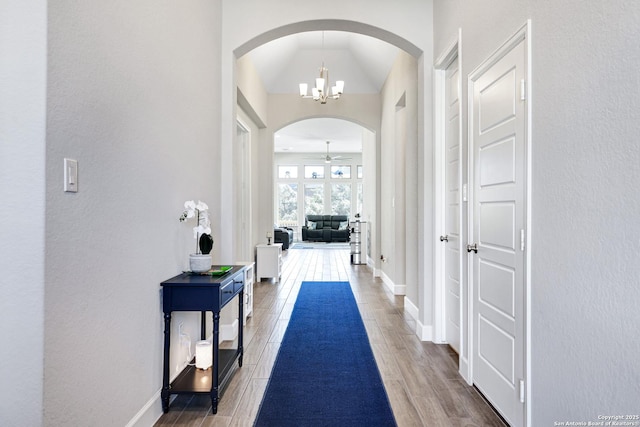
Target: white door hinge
[(522, 240), (522, 391), (523, 90)]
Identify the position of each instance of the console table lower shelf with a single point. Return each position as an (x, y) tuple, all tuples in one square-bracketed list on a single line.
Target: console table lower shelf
[(197, 381)]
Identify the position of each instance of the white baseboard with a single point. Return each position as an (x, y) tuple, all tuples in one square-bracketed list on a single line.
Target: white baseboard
[(423, 332), (411, 309), (464, 370), (393, 287), (228, 332), (149, 414)]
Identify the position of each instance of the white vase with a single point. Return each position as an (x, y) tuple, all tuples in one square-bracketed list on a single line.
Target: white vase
[(199, 263)]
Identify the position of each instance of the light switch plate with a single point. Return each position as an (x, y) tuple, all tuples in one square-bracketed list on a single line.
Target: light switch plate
[(70, 175)]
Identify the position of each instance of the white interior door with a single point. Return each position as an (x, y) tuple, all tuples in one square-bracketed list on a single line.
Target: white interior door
[(498, 165), (451, 239)]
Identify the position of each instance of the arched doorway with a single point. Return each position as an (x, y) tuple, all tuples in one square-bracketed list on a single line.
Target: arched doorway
[(413, 169), (324, 166)]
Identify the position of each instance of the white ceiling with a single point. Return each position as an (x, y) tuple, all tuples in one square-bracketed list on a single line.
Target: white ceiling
[(363, 63), (311, 136)]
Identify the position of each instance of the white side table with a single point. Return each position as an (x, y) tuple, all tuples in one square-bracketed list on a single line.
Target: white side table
[(249, 278), (269, 261)]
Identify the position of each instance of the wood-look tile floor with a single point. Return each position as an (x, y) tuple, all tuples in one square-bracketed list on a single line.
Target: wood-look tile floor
[(421, 378)]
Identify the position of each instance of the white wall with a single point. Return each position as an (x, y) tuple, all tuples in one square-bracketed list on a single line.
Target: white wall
[(22, 182), (371, 184), (398, 162), (133, 95), (253, 97), (585, 274), (256, 212)]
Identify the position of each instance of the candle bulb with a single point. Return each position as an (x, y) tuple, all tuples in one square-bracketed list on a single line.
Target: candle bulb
[(204, 354)]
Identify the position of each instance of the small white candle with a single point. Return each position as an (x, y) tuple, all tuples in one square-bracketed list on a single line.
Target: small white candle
[(204, 354)]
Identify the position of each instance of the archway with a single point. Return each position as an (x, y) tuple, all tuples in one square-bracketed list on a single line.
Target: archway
[(420, 156), (307, 182)]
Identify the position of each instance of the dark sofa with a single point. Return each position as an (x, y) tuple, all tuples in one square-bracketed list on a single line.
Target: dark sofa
[(283, 235), (326, 228)]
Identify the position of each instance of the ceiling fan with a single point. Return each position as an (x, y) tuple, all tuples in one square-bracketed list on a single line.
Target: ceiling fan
[(328, 158)]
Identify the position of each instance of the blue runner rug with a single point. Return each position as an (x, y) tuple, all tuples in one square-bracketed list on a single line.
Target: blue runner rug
[(325, 373)]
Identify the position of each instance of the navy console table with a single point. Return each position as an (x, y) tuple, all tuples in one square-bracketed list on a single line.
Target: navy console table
[(194, 292)]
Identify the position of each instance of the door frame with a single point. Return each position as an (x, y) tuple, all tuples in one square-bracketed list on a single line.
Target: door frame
[(522, 34), (244, 228), (452, 52)]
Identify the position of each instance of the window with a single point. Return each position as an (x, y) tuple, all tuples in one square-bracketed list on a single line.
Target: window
[(341, 172), (359, 173), (287, 204), (287, 172), (359, 197), (314, 172), (341, 199), (314, 199)]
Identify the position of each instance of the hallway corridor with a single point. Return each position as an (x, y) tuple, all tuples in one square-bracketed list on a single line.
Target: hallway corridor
[(421, 378)]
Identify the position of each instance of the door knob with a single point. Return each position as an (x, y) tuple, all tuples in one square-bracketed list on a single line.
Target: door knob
[(473, 248), (444, 238)]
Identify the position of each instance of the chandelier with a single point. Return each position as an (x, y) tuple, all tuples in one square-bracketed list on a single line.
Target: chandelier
[(321, 92)]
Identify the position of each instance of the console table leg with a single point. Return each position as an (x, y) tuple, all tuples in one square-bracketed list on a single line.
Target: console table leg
[(164, 394), (216, 364)]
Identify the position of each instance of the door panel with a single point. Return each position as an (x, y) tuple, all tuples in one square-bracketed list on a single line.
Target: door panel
[(497, 162), (452, 206), (497, 288), (497, 225), (497, 101), (492, 345), (498, 166)]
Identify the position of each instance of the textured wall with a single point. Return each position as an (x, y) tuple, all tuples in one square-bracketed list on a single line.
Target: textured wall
[(397, 161), (133, 96), (22, 139), (585, 274)]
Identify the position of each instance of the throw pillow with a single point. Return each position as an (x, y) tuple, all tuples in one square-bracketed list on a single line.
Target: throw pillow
[(312, 225), (343, 225)]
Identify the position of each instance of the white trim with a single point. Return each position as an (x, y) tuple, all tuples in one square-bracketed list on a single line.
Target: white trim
[(371, 265), (395, 289), (529, 222), (411, 309), (522, 34), (451, 53), (227, 332), (439, 214), (423, 332), (244, 230), (465, 370), (149, 414)]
